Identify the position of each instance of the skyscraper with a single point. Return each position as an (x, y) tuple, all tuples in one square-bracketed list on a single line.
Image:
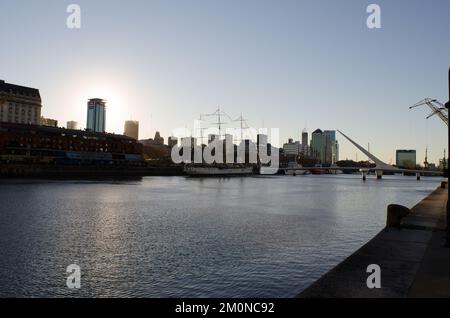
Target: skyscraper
[(405, 158), (318, 145), (96, 112), (331, 147), (324, 146), (131, 129), (305, 143)]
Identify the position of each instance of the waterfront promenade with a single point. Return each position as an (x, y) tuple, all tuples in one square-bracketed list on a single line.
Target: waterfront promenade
[(412, 258)]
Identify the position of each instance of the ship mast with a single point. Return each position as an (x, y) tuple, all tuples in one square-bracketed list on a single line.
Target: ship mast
[(201, 131), (220, 127), (242, 128)]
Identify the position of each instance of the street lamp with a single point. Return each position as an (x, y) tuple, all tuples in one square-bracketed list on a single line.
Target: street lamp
[(447, 105)]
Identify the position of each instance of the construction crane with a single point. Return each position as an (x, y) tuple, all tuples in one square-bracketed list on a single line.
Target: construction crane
[(436, 107)]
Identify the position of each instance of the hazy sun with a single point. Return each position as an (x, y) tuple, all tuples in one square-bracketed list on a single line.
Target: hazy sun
[(116, 106)]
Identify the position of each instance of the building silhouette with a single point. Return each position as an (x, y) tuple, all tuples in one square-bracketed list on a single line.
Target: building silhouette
[(158, 140), (172, 141), (19, 104), (305, 150), (405, 159), (292, 148), (131, 129), (49, 122), (331, 147), (96, 112), (324, 146), (72, 125)]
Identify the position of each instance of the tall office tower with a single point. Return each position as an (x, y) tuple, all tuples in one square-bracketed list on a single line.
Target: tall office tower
[(19, 104), (131, 129), (405, 158), (324, 146), (305, 143), (318, 145), (96, 112), (331, 147), (72, 125)]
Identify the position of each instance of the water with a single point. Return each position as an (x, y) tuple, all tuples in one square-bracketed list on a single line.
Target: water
[(187, 237)]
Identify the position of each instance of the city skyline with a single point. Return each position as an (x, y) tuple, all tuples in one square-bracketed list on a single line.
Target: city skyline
[(325, 147), (316, 65)]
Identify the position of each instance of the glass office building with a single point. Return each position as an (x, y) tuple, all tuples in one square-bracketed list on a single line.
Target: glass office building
[(96, 111)]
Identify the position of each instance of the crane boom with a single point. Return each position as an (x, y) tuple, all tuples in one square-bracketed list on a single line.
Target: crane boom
[(437, 108)]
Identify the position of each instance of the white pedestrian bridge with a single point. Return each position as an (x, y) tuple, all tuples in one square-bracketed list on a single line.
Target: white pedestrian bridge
[(379, 168)]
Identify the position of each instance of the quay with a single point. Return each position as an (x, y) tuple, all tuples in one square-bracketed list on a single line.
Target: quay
[(410, 251), (83, 171)]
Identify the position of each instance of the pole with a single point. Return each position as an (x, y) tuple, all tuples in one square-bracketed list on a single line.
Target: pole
[(447, 105)]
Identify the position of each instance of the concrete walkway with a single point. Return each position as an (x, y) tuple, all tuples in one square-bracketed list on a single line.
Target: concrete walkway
[(412, 259)]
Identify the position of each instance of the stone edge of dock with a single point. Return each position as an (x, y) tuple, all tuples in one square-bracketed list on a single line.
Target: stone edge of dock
[(410, 253)]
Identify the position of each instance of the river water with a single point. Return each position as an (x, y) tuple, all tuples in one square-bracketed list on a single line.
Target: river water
[(188, 237)]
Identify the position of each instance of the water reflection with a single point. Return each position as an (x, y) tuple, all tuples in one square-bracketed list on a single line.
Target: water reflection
[(180, 237)]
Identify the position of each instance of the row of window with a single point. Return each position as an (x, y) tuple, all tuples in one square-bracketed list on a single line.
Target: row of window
[(19, 113), (21, 94)]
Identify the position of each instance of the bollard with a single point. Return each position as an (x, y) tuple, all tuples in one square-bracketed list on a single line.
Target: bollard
[(395, 213), (379, 174), (418, 176), (443, 184), (364, 173)]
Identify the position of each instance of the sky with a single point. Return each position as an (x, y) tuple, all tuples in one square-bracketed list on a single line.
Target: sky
[(281, 63)]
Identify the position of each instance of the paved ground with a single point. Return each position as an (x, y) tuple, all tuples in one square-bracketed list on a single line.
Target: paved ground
[(413, 260)]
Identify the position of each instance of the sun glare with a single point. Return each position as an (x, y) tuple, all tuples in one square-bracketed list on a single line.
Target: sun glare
[(115, 104)]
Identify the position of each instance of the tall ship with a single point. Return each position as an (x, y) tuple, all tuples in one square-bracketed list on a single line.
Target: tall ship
[(226, 169), (295, 169)]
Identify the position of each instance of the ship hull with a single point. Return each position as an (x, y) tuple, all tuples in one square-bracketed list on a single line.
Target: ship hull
[(296, 172), (218, 171)]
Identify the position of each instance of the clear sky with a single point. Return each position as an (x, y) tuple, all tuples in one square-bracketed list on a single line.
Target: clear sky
[(287, 64)]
